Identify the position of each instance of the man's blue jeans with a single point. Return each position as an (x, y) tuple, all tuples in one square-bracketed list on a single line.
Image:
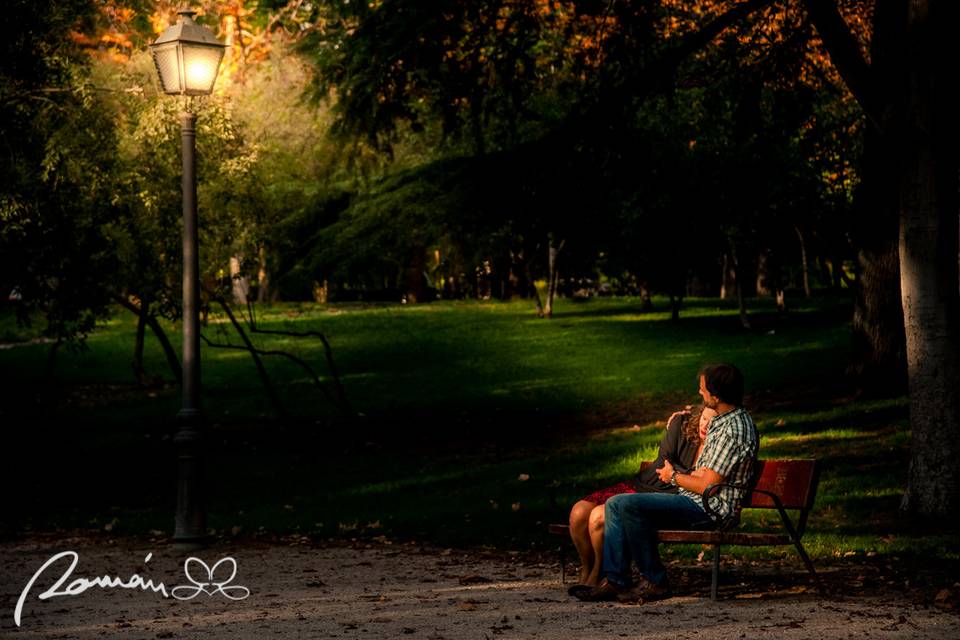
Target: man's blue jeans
[(631, 521)]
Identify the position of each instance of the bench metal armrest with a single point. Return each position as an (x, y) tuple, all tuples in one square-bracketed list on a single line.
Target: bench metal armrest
[(730, 521), (787, 523)]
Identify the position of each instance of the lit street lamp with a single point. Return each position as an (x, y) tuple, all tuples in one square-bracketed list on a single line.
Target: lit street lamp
[(187, 57)]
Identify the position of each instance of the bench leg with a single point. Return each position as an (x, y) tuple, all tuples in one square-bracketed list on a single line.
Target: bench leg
[(809, 564), (716, 572)]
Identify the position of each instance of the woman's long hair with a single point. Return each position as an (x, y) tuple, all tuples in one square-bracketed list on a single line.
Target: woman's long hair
[(691, 426)]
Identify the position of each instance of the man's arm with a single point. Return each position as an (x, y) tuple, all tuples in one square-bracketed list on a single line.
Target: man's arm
[(698, 481)]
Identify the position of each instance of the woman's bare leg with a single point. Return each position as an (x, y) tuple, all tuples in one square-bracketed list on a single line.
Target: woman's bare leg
[(580, 534), (595, 527)]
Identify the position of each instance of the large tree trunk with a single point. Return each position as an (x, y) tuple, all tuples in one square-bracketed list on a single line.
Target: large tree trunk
[(928, 260), (879, 361)]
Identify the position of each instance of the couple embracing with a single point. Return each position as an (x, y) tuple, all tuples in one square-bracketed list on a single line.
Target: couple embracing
[(615, 527)]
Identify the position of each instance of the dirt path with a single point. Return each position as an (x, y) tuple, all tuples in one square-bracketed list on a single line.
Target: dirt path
[(390, 591)]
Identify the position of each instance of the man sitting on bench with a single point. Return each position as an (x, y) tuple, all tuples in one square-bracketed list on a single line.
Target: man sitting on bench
[(632, 520)]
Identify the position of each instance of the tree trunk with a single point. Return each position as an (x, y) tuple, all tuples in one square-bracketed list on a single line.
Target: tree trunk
[(804, 265), (173, 361), (258, 363), (675, 302), (263, 276), (742, 307), (836, 271), (646, 304), (728, 279), (764, 287), (138, 371), (239, 284), (928, 262), (52, 359), (533, 289), (415, 284), (553, 251), (879, 361), (741, 303)]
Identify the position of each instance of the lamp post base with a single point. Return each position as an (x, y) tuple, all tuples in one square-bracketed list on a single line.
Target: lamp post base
[(189, 545), (190, 527)]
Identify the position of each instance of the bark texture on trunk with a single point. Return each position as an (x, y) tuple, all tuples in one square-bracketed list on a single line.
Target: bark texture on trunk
[(928, 262)]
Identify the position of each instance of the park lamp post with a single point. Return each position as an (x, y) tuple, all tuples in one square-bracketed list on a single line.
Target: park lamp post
[(187, 57)]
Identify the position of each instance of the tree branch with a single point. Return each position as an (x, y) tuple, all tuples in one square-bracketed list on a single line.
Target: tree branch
[(254, 353), (846, 56), (268, 352), (693, 42), (327, 351), (168, 351)]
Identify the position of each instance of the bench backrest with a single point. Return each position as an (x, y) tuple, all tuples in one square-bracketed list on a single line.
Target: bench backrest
[(795, 481)]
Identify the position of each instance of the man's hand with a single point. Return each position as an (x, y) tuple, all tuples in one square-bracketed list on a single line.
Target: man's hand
[(665, 472), (697, 482)]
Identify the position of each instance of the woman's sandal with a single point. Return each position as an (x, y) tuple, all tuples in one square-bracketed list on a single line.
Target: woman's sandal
[(575, 590)]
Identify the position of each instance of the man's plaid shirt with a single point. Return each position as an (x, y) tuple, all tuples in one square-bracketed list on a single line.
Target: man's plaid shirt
[(731, 449)]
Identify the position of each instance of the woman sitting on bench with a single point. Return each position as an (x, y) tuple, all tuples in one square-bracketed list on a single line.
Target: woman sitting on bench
[(681, 444)]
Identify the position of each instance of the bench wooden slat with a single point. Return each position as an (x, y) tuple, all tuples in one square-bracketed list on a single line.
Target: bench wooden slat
[(745, 539), (742, 538), (794, 481)]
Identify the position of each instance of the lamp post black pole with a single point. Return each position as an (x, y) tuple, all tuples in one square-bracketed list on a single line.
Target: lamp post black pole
[(191, 520)]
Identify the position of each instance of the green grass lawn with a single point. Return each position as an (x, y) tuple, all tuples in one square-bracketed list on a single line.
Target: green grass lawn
[(460, 399), (451, 357)]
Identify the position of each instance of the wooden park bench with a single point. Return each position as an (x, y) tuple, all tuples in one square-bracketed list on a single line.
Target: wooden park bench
[(780, 485)]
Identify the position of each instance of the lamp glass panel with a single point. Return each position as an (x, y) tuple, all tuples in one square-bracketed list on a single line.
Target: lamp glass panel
[(200, 66), (168, 67)]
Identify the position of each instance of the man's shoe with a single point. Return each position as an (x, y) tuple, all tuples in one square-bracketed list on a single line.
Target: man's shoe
[(579, 588), (606, 590), (644, 591)]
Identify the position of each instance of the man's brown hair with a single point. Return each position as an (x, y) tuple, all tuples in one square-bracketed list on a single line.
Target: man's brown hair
[(724, 381)]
